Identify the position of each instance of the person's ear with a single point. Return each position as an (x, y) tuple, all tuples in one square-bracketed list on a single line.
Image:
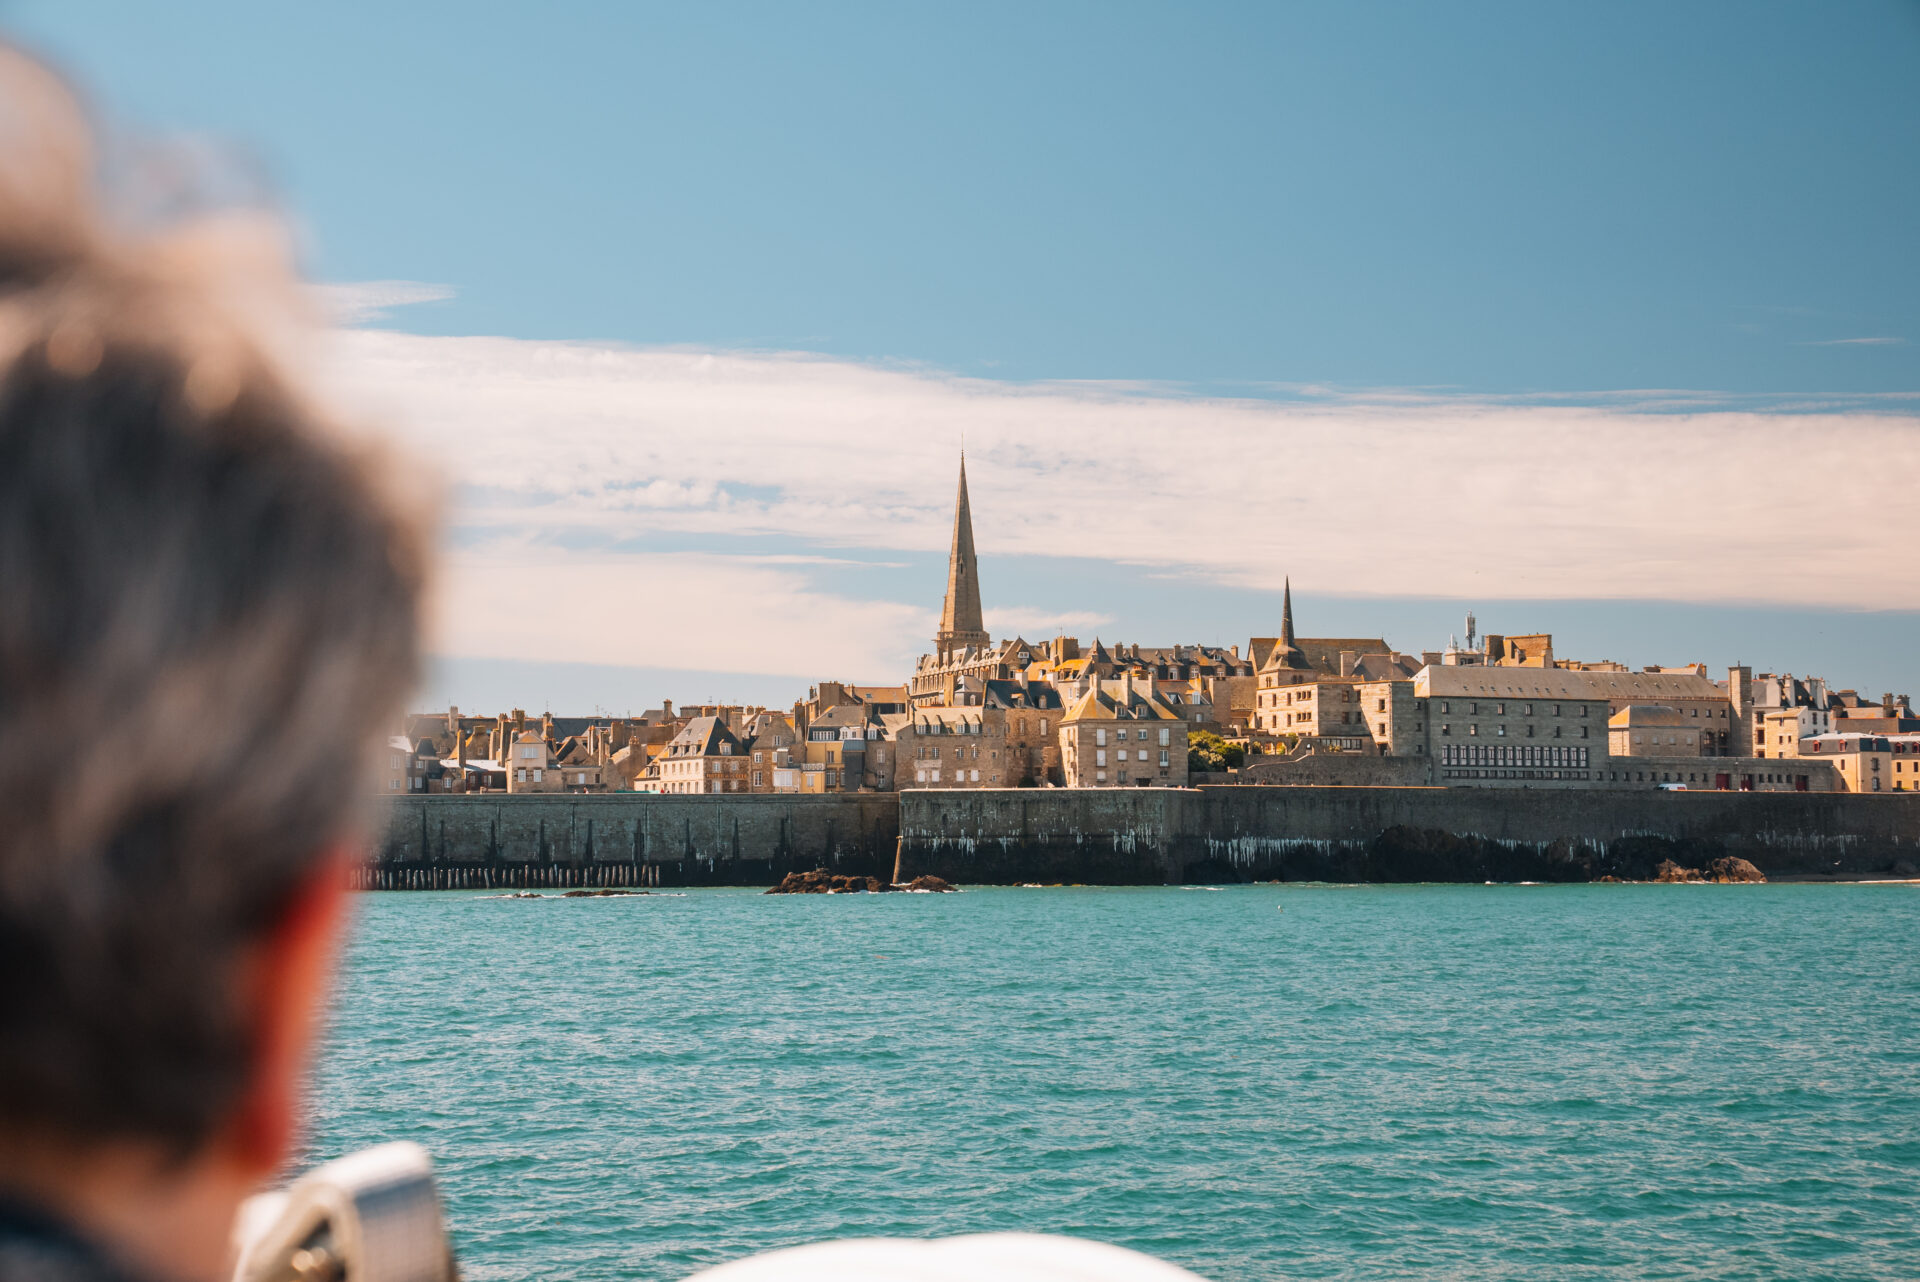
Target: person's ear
[(285, 985)]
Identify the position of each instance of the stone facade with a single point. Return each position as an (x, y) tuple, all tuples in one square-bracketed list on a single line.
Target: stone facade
[(1642, 730), (1511, 727), (706, 757), (1122, 735), (953, 748)]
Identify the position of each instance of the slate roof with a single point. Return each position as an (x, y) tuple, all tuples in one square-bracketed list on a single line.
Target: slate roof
[(1108, 701), (702, 738), (1493, 681), (1022, 694)]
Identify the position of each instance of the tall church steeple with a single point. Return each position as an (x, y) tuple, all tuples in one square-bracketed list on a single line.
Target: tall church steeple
[(1286, 613), (960, 623)]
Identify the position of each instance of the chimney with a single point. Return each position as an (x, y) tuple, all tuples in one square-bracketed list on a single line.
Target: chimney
[(1126, 688), (1347, 658)]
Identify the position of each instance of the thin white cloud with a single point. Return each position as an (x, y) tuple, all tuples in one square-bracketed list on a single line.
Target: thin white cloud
[(1880, 341), (1038, 623), (357, 302), (596, 447), (680, 610)]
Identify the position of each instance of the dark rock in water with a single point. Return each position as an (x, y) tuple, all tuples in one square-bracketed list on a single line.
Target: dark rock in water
[(1667, 870), (1610, 877), (599, 894), (1733, 868), (822, 882)]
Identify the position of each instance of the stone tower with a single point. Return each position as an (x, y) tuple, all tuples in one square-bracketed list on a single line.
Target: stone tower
[(960, 624)]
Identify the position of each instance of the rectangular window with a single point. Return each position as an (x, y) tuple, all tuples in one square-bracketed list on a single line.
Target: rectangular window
[(523, 774), (1100, 757), (1166, 737), (1100, 736), (536, 776), (1123, 754)]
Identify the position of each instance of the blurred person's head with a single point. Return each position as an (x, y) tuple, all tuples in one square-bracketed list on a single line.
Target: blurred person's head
[(207, 620)]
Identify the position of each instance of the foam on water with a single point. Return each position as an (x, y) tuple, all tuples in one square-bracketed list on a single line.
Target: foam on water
[(1381, 1082)]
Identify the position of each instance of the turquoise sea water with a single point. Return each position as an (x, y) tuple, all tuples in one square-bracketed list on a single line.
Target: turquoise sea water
[(1255, 1082)]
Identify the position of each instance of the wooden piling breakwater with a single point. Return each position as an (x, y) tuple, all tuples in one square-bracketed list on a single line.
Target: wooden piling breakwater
[(378, 876)]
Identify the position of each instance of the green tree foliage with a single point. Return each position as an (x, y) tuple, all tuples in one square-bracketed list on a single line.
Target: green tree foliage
[(1208, 752)]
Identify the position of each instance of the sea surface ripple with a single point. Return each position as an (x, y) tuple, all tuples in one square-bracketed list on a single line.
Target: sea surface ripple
[(1255, 1082)]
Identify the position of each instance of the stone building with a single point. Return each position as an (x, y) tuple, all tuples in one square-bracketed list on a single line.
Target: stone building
[(1904, 752), (1865, 762), (942, 747), (962, 650), (1508, 726), (841, 748), (705, 757), (1644, 730), (529, 763), (1287, 663), (1033, 711), (1121, 734)]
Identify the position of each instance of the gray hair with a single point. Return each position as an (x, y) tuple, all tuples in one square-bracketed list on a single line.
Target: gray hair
[(208, 616)]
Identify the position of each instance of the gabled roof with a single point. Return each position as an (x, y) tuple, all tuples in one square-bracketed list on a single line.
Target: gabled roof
[(946, 719), (702, 738), (1021, 694), (1111, 701), (1386, 667), (841, 715)]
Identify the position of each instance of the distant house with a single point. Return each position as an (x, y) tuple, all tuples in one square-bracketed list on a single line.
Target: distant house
[(706, 757)]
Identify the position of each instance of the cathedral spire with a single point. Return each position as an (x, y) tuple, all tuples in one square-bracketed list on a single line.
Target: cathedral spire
[(960, 623), (1286, 614)]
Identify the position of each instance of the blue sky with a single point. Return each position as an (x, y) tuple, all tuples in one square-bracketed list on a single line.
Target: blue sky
[(1517, 205)]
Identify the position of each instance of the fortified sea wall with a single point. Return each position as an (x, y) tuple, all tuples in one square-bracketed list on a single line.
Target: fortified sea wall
[(631, 839), (1136, 836), (1395, 834)]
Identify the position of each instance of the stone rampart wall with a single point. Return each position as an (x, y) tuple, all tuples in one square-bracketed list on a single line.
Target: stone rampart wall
[(1394, 834), (1141, 835), (676, 840)]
